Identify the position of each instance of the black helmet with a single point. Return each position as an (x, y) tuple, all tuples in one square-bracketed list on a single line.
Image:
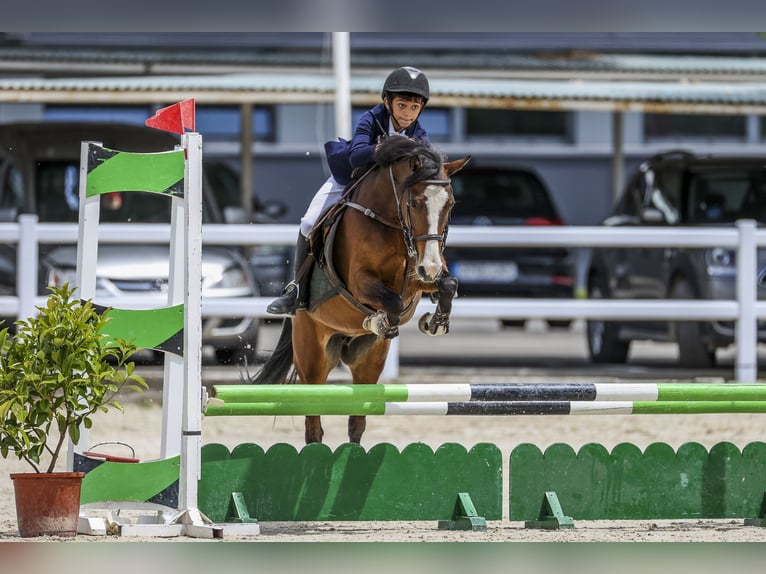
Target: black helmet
[(407, 79)]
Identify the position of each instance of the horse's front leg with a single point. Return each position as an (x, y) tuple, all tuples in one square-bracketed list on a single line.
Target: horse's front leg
[(438, 323), (384, 323)]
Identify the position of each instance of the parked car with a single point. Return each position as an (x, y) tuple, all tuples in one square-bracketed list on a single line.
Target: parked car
[(39, 172), (491, 195), (677, 189), (271, 264)]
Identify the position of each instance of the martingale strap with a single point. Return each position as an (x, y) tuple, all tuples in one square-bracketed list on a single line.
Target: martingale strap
[(371, 214), (337, 282)]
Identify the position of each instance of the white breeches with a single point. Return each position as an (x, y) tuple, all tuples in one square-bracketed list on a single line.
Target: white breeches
[(326, 196)]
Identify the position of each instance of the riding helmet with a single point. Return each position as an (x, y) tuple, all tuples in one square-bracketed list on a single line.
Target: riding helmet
[(407, 79)]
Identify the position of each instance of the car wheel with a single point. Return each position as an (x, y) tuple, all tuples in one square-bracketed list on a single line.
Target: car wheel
[(693, 353), (603, 343), (246, 354), (559, 323), (513, 323)]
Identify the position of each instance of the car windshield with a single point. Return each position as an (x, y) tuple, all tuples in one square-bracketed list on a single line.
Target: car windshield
[(57, 188), (512, 195), (724, 197)]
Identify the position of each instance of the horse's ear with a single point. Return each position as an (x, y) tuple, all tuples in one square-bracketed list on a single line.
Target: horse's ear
[(455, 166)]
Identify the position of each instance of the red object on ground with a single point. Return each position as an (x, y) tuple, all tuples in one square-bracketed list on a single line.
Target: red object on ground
[(110, 457)]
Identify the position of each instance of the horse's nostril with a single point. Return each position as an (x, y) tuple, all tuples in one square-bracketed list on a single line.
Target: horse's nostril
[(422, 271)]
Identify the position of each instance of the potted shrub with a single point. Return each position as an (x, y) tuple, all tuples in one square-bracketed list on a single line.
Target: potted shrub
[(55, 373)]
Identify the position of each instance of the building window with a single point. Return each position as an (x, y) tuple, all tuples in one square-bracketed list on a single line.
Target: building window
[(694, 126), (222, 123), (436, 122), (113, 114), (517, 124)]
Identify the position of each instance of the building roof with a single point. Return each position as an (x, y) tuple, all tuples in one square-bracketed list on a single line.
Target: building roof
[(679, 96), (674, 72), (63, 61)]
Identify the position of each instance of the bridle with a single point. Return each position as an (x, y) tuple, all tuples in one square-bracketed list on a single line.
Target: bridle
[(407, 231), (406, 228)]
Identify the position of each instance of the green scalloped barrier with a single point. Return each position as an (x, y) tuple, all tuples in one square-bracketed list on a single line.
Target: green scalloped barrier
[(628, 484), (316, 483)]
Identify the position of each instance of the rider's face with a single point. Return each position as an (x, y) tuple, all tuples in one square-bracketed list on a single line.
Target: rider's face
[(404, 110)]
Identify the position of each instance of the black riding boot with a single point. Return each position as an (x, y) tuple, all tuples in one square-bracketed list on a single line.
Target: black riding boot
[(295, 295)]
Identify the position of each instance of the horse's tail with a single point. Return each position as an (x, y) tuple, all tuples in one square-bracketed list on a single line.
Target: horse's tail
[(277, 366)]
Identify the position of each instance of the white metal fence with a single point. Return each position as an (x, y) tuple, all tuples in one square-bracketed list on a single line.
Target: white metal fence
[(745, 238)]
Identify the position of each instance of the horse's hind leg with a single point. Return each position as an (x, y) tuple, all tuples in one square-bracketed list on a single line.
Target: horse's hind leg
[(314, 431), (366, 357), (313, 359)]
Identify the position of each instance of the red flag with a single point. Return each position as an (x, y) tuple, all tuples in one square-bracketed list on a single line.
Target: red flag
[(175, 118)]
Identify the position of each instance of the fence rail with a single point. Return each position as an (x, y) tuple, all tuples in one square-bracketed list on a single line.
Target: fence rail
[(745, 238)]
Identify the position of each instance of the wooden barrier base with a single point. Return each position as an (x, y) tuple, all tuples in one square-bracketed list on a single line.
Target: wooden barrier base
[(551, 516), (464, 516)]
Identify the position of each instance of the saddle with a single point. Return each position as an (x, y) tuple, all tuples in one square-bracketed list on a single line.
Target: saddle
[(321, 229), (325, 285)]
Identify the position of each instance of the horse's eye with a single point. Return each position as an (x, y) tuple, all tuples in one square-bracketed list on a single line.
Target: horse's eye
[(414, 202)]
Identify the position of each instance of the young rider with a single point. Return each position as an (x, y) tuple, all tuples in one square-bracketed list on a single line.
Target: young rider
[(405, 94)]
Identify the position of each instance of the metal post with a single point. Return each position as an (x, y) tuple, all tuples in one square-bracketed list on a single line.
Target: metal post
[(173, 372), (87, 257), (191, 431), (246, 160), (391, 368), (618, 155), (26, 265), (342, 68), (746, 367)]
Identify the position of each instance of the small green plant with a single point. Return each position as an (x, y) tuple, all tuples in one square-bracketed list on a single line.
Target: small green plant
[(55, 373)]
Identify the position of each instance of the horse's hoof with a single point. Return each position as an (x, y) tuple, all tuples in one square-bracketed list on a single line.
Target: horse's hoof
[(432, 329), (391, 333), (379, 325), (371, 322)]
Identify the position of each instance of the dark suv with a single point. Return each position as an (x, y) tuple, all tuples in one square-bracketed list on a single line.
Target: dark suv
[(676, 189), (493, 195)]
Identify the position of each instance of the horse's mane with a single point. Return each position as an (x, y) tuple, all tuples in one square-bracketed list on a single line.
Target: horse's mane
[(396, 148)]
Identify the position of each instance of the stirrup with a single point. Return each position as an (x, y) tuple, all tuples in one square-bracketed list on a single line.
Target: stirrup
[(285, 304)]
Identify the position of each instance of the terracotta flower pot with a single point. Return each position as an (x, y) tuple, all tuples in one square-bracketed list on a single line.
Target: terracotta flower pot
[(47, 504)]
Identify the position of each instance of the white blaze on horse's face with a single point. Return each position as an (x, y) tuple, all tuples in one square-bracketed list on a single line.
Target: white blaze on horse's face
[(437, 197)]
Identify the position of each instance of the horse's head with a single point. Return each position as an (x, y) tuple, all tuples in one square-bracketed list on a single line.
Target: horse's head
[(423, 193)]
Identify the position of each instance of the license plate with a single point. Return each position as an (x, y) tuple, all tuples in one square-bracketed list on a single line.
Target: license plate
[(486, 271)]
